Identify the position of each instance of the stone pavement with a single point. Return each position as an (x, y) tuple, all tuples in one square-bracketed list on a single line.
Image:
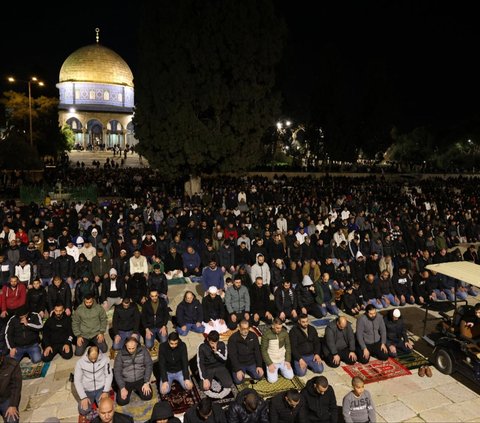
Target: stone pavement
[(405, 399), (87, 157)]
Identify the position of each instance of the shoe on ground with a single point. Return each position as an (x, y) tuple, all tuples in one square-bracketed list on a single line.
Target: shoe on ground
[(421, 371), (428, 371)]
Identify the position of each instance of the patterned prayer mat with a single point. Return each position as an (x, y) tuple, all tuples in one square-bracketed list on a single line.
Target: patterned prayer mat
[(138, 409), (377, 370), (321, 322), (412, 360), (33, 371), (180, 399), (267, 390), (218, 394)]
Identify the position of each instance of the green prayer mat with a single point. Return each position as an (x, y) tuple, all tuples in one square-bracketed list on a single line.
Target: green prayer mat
[(33, 371), (412, 360), (267, 390)]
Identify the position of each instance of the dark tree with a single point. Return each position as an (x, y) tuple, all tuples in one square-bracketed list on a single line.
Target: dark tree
[(205, 90)]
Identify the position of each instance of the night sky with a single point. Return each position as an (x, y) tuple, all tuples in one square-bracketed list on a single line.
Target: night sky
[(425, 51)]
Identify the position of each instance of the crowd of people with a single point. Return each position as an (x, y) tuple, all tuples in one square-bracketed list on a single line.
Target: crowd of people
[(265, 254)]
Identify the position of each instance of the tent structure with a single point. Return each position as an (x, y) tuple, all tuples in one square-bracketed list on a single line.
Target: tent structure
[(464, 271)]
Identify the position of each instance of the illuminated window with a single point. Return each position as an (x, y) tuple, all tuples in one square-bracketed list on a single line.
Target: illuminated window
[(119, 96), (106, 95), (77, 94), (92, 95)]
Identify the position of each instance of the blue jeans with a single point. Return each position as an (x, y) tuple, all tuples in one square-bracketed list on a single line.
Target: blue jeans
[(93, 396), (251, 370), (330, 308), (171, 377), (33, 351), (123, 336), (311, 364), (155, 335), (3, 409), (389, 297), (373, 301), (190, 327)]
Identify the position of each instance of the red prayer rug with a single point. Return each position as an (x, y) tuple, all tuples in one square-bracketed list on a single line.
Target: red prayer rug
[(377, 370)]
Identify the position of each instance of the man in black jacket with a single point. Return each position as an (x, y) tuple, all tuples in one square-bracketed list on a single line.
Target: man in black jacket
[(154, 319), (305, 345), (59, 292), (287, 407), (10, 389), (205, 411), (248, 407), (260, 304), (173, 364), (57, 335), (320, 401), (339, 344), (244, 353), (125, 323), (23, 335), (64, 266), (46, 269)]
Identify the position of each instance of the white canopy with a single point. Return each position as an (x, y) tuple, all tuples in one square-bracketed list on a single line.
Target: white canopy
[(462, 270)]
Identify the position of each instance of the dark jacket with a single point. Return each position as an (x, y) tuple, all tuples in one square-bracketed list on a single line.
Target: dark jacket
[(107, 293), (207, 359), (163, 410), (117, 418), (244, 352), (189, 312), (64, 266), (213, 309), (82, 267), (238, 414), (57, 331), (281, 412), (19, 335), (260, 299), (302, 344), (37, 299), (46, 268), (319, 408), (82, 289), (125, 319), (337, 340), (173, 360), (10, 382), (402, 284), (158, 282), (155, 320), (61, 294), (396, 329), (217, 416), (285, 300)]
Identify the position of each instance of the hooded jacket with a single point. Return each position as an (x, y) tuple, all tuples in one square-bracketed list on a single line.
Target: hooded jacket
[(260, 270), (92, 376), (319, 408), (12, 298), (207, 359), (20, 335), (163, 410)]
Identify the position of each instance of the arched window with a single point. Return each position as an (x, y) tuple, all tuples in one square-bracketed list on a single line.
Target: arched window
[(77, 94), (106, 95), (92, 94), (120, 97)]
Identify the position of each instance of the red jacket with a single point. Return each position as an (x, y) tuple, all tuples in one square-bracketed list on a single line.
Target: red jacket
[(13, 298)]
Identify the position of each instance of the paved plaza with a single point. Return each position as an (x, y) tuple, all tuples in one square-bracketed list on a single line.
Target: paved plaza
[(87, 157), (404, 399)]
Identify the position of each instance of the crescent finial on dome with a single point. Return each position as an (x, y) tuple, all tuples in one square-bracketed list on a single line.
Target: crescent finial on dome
[(97, 36)]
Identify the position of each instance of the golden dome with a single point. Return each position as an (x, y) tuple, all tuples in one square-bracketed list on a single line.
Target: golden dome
[(96, 63)]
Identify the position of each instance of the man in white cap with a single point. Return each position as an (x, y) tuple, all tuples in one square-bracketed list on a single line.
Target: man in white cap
[(213, 312), (113, 290), (397, 338)]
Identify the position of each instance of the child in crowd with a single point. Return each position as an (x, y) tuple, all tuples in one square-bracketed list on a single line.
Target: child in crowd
[(358, 405)]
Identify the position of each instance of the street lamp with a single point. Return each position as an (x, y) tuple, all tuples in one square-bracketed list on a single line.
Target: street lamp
[(29, 83)]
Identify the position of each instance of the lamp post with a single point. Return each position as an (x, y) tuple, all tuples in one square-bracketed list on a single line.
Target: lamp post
[(29, 83)]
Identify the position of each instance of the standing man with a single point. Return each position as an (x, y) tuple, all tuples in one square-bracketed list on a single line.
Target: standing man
[(320, 401), (305, 347), (132, 370), (89, 324), (339, 343), (244, 353), (57, 335), (276, 351), (10, 389), (371, 336), (154, 319)]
